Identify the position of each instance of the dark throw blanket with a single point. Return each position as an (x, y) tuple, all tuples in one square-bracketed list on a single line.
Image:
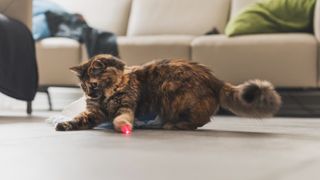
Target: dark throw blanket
[(18, 67), (62, 24)]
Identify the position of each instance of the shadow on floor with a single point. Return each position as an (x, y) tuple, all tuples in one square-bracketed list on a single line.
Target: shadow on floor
[(201, 133)]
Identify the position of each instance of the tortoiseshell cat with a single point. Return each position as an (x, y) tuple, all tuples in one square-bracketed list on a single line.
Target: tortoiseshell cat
[(184, 94)]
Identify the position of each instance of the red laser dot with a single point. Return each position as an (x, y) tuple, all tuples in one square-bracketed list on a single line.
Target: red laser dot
[(126, 129)]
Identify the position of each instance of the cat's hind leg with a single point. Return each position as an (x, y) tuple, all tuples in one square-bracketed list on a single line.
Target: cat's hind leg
[(198, 115), (169, 126), (191, 115)]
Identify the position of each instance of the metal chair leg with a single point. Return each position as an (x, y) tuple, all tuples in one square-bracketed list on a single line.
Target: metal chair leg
[(29, 107), (49, 100), (44, 89)]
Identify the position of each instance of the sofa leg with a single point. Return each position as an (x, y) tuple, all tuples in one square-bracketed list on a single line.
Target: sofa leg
[(29, 107)]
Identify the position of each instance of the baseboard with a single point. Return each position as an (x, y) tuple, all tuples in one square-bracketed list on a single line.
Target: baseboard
[(296, 103), (300, 103)]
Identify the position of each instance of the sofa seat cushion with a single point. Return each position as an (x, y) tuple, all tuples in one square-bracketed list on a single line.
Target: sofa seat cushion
[(188, 17), (55, 56), (287, 60), (140, 49)]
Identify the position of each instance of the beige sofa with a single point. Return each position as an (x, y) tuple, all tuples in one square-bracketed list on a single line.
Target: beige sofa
[(150, 29), (18, 9)]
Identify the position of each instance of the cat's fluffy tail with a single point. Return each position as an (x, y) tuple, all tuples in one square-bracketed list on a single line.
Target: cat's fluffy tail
[(254, 98)]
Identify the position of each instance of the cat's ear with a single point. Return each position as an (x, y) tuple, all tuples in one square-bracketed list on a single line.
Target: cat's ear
[(107, 60), (77, 70), (119, 64)]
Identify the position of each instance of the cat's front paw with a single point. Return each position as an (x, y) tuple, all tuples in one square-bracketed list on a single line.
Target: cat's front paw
[(64, 126), (120, 123)]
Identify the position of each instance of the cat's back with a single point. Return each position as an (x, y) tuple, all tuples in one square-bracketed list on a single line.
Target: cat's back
[(170, 67), (158, 72)]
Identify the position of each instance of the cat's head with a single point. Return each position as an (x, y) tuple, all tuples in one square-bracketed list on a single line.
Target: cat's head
[(99, 73)]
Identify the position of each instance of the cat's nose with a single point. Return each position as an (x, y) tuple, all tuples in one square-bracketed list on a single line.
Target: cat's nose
[(95, 86), (95, 94)]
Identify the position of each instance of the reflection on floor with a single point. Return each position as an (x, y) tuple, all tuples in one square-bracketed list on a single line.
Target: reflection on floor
[(228, 148)]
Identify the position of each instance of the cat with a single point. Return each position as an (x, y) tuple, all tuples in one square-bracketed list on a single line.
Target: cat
[(183, 93)]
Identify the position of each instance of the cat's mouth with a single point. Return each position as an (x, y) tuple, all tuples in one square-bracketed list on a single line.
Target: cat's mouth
[(95, 95)]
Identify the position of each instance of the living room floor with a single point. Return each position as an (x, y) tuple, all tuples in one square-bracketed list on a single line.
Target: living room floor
[(228, 148)]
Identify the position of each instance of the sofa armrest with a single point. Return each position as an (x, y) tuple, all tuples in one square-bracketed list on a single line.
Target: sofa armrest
[(316, 21), (316, 29), (20, 10)]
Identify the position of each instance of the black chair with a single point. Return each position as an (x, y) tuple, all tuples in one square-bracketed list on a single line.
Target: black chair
[(18, 67)]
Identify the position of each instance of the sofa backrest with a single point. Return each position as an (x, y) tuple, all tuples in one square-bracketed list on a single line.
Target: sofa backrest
[(191, 17), (238, 5), (154, 17), (108, 15)]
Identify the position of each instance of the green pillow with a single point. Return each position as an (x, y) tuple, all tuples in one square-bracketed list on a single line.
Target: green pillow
[(273, 16)]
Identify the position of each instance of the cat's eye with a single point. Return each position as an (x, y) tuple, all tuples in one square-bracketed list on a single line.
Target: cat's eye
[(83, 86), (94, 85), (98, 65)]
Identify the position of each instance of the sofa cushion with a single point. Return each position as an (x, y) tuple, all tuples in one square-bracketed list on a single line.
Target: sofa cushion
[(55, 56), (188, 17), (108, 15), (238, 5), (141, 49), (287, 60), (273, 16)]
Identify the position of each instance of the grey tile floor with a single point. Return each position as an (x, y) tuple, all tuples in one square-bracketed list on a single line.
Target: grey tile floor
[(228, 148)]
